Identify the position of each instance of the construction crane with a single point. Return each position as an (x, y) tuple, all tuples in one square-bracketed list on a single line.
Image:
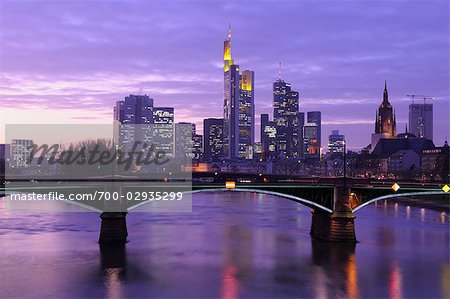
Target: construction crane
[(419, 96)]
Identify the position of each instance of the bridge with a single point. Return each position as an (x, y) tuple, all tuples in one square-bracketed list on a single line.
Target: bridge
[(333, 201)]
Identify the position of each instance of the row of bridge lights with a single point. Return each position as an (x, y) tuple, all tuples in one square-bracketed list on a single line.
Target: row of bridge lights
[(396, 187)]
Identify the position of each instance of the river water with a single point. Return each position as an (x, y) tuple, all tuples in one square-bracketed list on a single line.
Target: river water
[(233, 245)]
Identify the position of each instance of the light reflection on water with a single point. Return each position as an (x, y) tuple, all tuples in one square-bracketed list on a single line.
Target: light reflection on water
[(230, 246)]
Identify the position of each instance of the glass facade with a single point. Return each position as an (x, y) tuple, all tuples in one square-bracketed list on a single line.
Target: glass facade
[(163, 130), (287, 120), (246, 112)]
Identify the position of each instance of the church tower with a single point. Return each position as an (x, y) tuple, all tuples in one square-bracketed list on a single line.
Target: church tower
[(385, 118)]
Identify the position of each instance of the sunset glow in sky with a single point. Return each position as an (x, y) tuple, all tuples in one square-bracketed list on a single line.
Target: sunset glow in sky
[(69, 61)]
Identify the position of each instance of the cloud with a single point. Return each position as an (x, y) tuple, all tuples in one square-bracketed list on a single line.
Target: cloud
[(85, 56)]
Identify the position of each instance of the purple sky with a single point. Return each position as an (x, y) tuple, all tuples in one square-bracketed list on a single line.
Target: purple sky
[(69, 62)]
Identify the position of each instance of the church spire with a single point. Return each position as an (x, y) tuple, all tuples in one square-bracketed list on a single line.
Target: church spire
[(385, 95), (386, 118)]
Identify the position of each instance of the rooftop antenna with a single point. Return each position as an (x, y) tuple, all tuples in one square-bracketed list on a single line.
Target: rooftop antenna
[(229, 31), (279, 70)]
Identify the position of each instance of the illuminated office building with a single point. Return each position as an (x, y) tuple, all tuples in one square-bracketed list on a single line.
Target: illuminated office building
[(163, 130), (238, 106), (246, 112), (336, 142), (315, 117), (132, 120), (197, 147), (213, 146), (268, 138), (311, 140), (287, 120), (184, 144)]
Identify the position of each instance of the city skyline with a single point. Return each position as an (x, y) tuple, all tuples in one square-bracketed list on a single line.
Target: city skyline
[(332, 73)]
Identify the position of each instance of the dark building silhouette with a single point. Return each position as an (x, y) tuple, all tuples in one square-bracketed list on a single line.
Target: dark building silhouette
[(405, 141)]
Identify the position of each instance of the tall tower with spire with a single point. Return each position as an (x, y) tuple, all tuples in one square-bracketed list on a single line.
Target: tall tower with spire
[(230, 102), (238, 106), (385, 118)]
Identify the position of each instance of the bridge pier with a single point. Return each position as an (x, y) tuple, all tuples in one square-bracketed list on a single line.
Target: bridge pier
[(338, 226), (113, 228)]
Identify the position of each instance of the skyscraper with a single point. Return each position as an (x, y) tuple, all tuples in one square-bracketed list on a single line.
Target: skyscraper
[(197, 147), (286, 118), (213, 130), (184, 133), (163, 130), (311, 140), (231, 102), (336, 142), (268, 137), (135, 109), (238, 107), (421, 120), (246, 112), (132, 121), (315, 117)]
